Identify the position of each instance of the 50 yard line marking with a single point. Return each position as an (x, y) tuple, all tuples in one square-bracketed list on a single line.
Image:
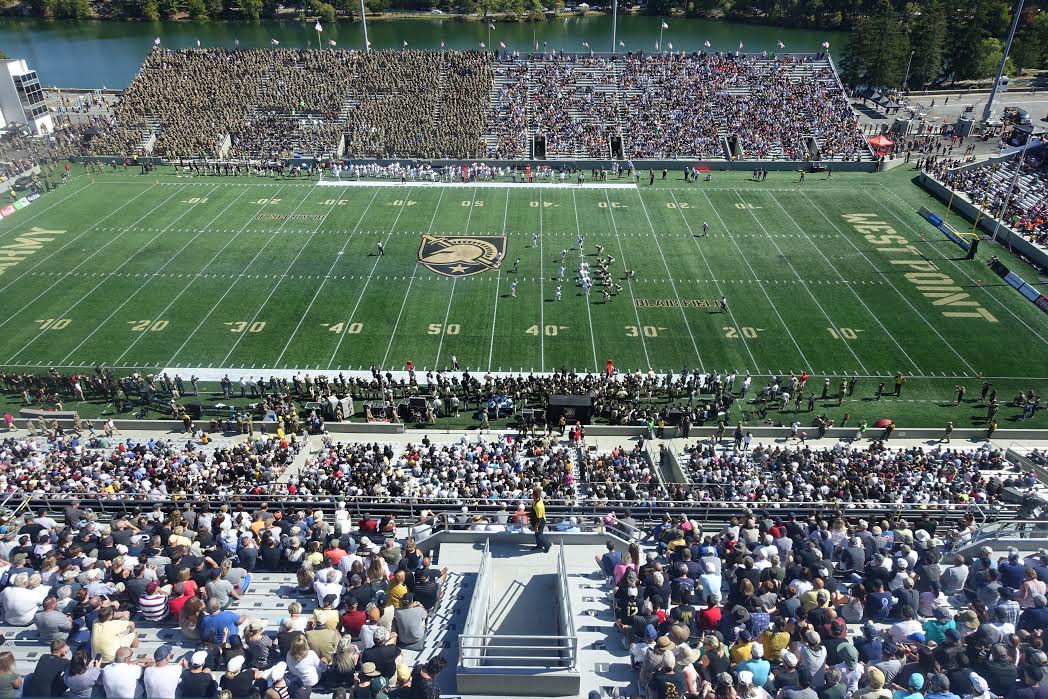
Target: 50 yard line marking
[(851, 288), (454, 282), (378, 258), (716, 284), (673, 286), (800, 279), (629, 282), (890, 283), (746, 260), (150, 279), (589, 313), (82, 297), (498, 283), (280, 280), (320, 287), (414, 271), (202, 270), (222, 298)]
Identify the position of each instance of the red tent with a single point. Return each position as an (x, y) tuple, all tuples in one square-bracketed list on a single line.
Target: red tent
[(881, 144)]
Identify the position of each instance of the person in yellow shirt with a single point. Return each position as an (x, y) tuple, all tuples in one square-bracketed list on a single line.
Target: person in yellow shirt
[(742, 650), (538, 520), (398, 589), (774, 640)]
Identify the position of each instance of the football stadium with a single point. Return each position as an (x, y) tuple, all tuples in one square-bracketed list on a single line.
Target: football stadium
[(412, 373)]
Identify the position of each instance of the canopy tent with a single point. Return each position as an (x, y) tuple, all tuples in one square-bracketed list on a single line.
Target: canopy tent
[(881, 144)]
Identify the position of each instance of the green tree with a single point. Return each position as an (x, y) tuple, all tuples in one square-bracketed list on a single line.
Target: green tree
[(928, 39), (197, 10), (252, 8), (1030, 49), (150, 10), (215, 8), (269, 8), (877, 51), (168, 8), (988, 54)]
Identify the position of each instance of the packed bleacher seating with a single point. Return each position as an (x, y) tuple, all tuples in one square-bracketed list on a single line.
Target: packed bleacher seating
[(296, 102), (988, 185), (844, 474), (453, 104), (675, 106)]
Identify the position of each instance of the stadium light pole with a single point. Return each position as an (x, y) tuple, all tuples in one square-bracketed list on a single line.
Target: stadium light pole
[(988, 109), (909, 63), (364, 24), (1011, 188)]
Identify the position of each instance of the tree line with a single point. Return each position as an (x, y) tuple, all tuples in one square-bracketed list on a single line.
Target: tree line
[(934, 42)]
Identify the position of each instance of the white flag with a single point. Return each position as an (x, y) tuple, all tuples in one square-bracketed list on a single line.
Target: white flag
[(405, 44), (198, 43), (318, 27), (274, 42), (156, 41), (502, 44), (826, 44), (740, 46), (708, 44), (331, 42), (781, 45), (491, 25), (665, 26), (585, 44), (622, 44), (442, 44), (482, 45), (669, 46), (236, 42)]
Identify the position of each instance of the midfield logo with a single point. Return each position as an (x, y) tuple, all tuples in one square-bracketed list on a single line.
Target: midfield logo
[(461, 256)]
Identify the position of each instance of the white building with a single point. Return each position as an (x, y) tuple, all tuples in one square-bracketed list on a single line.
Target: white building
[(21, 99)]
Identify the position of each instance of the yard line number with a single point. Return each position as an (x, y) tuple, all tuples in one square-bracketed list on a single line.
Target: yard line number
[(745, 331), (239, 326), (548, 330), (141, 326), (439, 329), (645, 330), (350, 328), (54, 323), (844, 333)]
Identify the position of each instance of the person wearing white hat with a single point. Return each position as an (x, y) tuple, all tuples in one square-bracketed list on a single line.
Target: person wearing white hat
[(197, 682), (980, 688)]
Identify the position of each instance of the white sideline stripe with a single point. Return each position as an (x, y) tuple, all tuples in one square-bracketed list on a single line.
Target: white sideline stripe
[(235, 373), (479, 185)]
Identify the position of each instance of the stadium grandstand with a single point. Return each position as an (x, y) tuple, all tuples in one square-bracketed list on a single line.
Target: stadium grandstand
[(296, 103)]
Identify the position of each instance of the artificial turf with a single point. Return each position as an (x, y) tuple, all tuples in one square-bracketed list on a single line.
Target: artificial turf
[(166, 271)]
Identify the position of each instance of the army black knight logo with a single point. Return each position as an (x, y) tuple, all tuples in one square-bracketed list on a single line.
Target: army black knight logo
[(461, 256)]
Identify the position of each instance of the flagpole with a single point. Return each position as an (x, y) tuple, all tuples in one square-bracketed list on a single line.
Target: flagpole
[(614, 24), (320, 44), (364, 24), (660, 34)]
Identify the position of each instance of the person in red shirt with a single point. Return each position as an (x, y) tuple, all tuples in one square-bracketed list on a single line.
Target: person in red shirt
[(353, 619), (710, 617), (368, 524), (178, 600), (336, 553)]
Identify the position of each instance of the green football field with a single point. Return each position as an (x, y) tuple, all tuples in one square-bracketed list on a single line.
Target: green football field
[(839, 277)]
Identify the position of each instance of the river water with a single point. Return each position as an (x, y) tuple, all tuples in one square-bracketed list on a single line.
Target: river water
[(95, 54)]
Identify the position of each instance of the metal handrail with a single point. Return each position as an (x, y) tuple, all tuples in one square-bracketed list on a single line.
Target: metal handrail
[(567, 615), (478, 608)]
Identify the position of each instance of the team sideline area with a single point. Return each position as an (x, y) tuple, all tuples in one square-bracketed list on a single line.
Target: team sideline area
[(834, 276)]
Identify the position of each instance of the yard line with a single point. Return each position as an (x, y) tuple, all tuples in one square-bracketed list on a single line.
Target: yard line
[(673, 286), (43, 211), (414, 271), (202, 270), (801, 280), (320, 287), (542, 293), (148, 280), (498, 284), (78, 266), (849, 286), (892, 284), (105, 277), (716, 284), (245, 269), (960, 268), (276, 286), (367, 281), (629, 282), (589, 313), (454, 283), (756, 279), (75, 238)]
